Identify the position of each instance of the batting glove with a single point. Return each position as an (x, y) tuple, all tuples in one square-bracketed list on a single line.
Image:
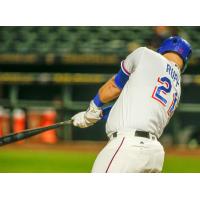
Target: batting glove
[(89, 117)]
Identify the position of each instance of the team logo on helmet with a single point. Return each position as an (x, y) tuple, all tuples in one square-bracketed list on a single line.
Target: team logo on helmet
[(180, 50)]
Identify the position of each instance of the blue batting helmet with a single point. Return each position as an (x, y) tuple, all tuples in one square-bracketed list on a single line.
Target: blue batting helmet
[(178, 45)]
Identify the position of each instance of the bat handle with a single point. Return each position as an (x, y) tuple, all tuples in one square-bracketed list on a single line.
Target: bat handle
[(67, 122)]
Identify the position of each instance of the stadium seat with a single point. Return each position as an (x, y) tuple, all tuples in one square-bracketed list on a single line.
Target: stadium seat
[(84, 40)]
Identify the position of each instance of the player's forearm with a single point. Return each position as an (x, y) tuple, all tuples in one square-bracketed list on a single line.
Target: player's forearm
[(109, 91)]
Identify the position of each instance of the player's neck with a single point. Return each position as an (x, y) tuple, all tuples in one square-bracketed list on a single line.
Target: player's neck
[(174, 58)]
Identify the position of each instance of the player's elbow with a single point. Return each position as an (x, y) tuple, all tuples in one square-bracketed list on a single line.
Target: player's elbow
[(115, 89)]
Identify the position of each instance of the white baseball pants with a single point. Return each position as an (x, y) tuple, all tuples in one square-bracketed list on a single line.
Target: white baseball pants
[(128, 153)]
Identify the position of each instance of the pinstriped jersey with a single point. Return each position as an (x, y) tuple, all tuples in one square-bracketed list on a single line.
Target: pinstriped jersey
[(150, 96)]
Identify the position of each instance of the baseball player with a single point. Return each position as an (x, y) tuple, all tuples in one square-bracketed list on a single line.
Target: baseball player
[(148, 89)]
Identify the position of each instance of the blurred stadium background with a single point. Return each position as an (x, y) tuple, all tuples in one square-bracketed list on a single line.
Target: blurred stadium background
[(47, 74)]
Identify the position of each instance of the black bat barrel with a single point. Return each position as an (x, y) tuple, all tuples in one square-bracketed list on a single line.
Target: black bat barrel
[(14, 137)]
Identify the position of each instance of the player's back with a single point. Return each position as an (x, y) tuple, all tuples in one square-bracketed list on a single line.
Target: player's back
[(150, 95)]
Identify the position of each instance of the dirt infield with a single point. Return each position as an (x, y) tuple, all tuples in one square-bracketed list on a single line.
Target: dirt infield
[(183, 151), (68, 146), (91, 146)]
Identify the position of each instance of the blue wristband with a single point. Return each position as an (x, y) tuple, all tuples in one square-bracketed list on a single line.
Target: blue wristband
[(120, 79), (97, 101), (106, 112)]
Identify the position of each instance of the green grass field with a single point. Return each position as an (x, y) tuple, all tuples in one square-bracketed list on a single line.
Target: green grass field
[(58, 161), (43, 161)]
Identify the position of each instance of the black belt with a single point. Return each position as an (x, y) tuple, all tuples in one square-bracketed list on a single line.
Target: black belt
[(139, 134), (142, 134)]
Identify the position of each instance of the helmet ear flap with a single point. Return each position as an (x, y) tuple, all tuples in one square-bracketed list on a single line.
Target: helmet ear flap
[(184, 67), (186, 62), (189, 55)]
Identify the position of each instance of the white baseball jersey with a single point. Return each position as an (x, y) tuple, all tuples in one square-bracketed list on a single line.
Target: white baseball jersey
[(149, 97)]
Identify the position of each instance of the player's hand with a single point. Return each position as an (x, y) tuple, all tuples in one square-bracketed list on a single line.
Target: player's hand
[(89, 117)]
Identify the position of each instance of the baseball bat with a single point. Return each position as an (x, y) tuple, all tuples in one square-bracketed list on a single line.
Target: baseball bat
[(14, 137)]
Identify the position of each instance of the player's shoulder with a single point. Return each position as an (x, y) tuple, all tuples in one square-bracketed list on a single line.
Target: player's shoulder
[(145, 49), (133, 59), (141, 50), (137, 53)]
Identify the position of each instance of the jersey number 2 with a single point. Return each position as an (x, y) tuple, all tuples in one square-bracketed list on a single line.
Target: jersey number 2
[(161, 91)]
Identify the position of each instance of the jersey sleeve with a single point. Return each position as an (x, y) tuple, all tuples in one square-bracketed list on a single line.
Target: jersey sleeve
[(130, 63)]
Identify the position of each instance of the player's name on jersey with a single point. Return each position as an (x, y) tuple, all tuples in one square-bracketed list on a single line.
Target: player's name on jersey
[(170, 70)]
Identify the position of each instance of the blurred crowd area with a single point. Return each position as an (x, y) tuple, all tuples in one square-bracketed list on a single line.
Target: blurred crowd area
[(47, 74), (88, 40)]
